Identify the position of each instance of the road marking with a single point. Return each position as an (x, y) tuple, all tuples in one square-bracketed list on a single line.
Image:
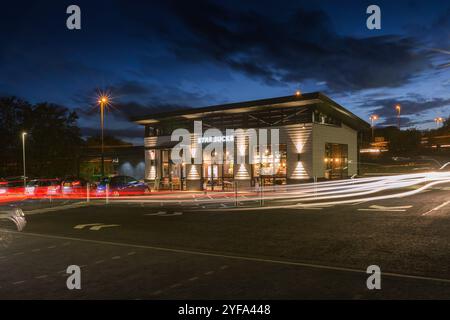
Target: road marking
[(173, 214), (82, 226), (386, 209), (57, 208), (234, 257), (99, 261), (18, 282), (157, 292), (193, 279), (17, 253), (96, 228), (223, 267), (209, 273), (436, 208), (155, 214), (42, 277), (36, 250), (175, 285), (164, 214), (51, 247), (131, 253), (115, 257)]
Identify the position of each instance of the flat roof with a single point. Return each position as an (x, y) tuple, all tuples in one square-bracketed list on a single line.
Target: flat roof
[(323, 103)]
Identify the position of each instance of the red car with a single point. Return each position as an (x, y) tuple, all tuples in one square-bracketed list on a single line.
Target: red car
[(11, 186), (43, 187)]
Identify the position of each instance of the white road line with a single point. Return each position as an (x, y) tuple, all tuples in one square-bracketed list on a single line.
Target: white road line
[(157, 292), (82, 226), (42, 277), (36, 250), (209, 273), (175, 285), (386, 209), (156, 214), (18, 282), (234, 257), (115, 257), (99, 261), (51, 247), (193, 279), (57, 208), (97, 228), (436, 208), (223, 267), (18, 253), (131, 253)]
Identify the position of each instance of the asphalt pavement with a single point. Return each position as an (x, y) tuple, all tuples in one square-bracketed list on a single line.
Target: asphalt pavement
[(149, 251)]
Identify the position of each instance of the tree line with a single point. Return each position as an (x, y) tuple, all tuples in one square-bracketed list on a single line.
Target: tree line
[(53, 141)]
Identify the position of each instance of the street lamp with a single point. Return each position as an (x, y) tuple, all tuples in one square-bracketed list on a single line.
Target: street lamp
[(398, 108), (102, 101), (438, 120), (373, 118), (23, 160)]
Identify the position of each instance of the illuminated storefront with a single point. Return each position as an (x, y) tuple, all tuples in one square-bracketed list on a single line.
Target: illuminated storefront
[(318, 138)]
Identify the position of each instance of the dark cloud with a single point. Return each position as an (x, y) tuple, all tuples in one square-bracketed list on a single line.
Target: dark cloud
[(127, 133), (414, 105), (298, 47), (133, 98)]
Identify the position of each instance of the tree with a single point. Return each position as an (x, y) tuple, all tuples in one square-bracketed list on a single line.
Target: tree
[(52, 143)]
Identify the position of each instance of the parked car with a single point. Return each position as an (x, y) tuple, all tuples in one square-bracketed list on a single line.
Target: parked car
[(11, 186), (43, 187), (122, 185), (73, 186)]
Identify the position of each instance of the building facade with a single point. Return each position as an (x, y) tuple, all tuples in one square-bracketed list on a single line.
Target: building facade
[(317, 138)]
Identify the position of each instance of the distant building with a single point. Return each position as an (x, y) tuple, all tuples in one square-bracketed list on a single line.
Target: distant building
[(119, 160), (318, 138)]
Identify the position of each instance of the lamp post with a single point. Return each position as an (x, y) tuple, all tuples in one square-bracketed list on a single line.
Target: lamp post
[(103, 101), (23, 160), (373, 118), (398, 108)]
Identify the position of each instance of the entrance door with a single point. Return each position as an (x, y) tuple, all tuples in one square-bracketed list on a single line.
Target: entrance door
[(336, 159), (211, 176)]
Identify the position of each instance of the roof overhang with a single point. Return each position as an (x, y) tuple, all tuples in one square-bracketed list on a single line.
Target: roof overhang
[(318, 99)]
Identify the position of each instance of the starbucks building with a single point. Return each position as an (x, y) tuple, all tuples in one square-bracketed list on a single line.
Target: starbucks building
[(317, 138)]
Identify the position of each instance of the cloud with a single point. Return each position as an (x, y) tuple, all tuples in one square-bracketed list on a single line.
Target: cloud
[(127, 133), (133, 98), (299, 47), (414, 105)]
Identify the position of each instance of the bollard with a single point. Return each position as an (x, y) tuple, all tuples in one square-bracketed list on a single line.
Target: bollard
[(261, 187), (315, 186), (107, 193), (87, 192), (236, 203)]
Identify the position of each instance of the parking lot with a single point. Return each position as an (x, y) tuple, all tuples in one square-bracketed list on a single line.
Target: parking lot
[(145, 251)]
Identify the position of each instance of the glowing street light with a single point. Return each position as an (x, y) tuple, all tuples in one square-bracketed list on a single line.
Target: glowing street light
[(398, 108), (438, 120), (103, 102), (23, 160), (373, 118)]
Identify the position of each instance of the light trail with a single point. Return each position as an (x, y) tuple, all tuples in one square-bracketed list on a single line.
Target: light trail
[(334, 192)]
